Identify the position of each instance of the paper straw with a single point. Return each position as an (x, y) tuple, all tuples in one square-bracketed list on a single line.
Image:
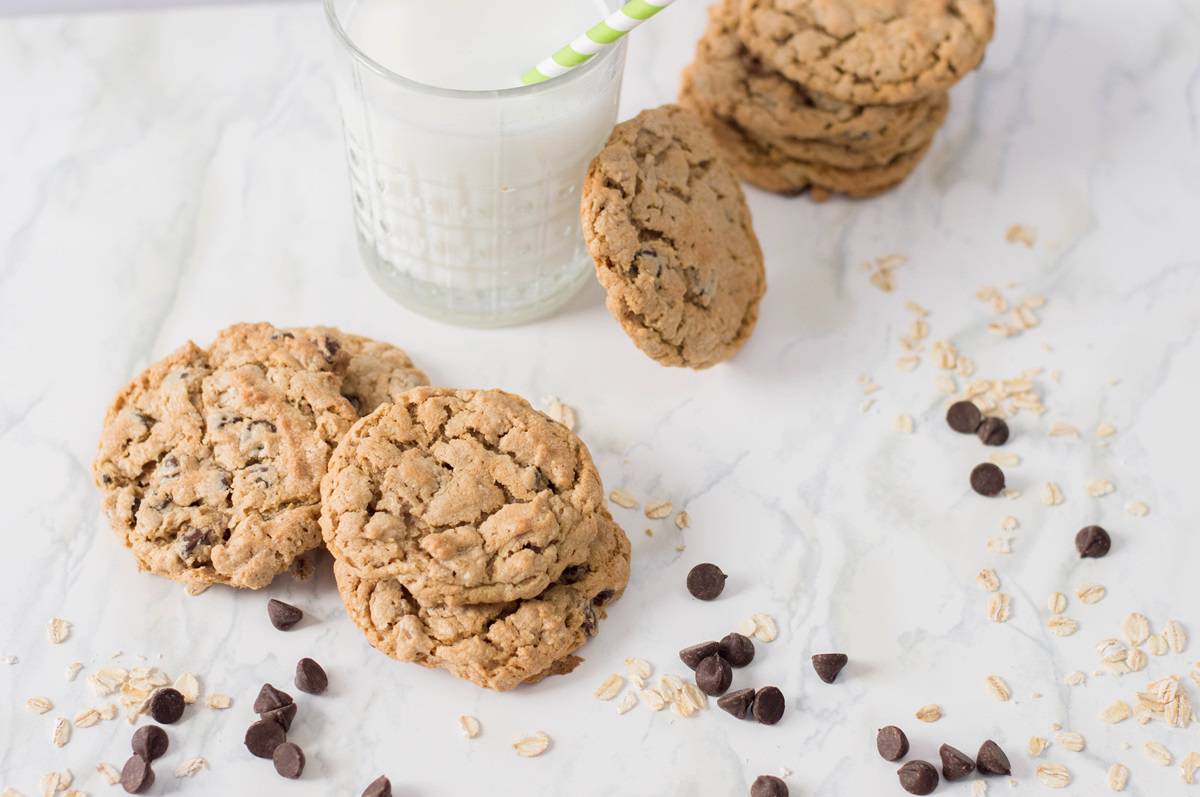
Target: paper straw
[(604, 34)]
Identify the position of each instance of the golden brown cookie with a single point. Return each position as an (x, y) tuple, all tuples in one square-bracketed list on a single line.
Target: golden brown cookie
[(869, 51), (210, 462), (667, 225), (495, 645), (465, 496), (726, 80), (375, 372)]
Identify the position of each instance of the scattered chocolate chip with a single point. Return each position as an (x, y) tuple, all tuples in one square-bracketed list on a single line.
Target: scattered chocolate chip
[(993, 432), (964, 417), (150, 742), (991, 760), (283, 615), (918, 777), (737, 649), (380, 787), (768, 705), (956, 764), (692, 656), (714, 675), (269, 698), (282, 715), (768, 786), (737, 703), (987, 479), (289, 760), (891, 743), (310, 677), (705, 581), (828, 665), (263, 737), (1092, 542), (166, 705), (136, 775)]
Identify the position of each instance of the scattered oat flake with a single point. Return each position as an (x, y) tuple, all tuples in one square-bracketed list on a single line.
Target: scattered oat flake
[(1118, 777), (86, 718), (998, 607), (908, 362), (62, 732), (1136, 628), (108, 711), (1188, 767), (1000, 544), (1056, 776), (1056, 603), (532, 746), (622, 499), (1051, 494), (1137, 508), (609, 688), (658, 510), (997, 688), (627, 702), (1070, 740), (682, 520), (50, 783), (470, 726), (1063, 429), (904, 424), (1090, 593), (1158, 754), (1105, 430), (866, 405), (190, 767), (765, 628), (1117, 712), (1175, 636), (1037, 745), (1136, 660), (1008, 523), (1061, 625), (73, 670), (979, 788), (219, 701), (1100, 487), (560, 412), (987, 580), (188, 686), (1077, 678), (881, 269), (653, 699), (930, 713), (111, 775), (639, 670), (1157, 644), (57, 631), (39, 704), (1007, 458), (1020, 234)]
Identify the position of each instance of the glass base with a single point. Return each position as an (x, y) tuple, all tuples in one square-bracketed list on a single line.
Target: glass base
[(482, 308)]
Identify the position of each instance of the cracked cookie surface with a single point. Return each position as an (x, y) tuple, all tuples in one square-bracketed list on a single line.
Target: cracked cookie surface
[(869, 51), (467, 496), (725, 80), (495, 645), (210, 461), (667, 225)]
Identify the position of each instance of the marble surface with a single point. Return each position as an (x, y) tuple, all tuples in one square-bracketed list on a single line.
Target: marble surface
[(164, 174)]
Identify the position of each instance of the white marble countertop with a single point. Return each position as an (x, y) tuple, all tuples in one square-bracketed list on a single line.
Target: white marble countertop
[(164, 174)]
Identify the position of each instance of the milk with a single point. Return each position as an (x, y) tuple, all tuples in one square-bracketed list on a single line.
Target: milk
[(466, 186)]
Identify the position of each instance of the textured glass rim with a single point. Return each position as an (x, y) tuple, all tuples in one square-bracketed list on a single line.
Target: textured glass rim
[(465, 94)]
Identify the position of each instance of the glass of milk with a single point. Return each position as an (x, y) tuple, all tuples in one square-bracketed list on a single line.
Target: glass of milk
[(465, 183)]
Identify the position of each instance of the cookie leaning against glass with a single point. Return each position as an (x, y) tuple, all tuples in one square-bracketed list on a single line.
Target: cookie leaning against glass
[(210, 460)]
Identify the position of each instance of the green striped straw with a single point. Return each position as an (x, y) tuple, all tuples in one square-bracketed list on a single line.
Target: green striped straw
[(603, 34)]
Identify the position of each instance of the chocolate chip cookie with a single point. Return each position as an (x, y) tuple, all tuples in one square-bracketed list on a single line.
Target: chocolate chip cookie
[(668, 228), (210, 461), (495, 645), (467, 496), (869, 51), (375, 372)]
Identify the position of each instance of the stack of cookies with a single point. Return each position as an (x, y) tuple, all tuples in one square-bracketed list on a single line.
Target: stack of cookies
[(832, 96), (469, 529)]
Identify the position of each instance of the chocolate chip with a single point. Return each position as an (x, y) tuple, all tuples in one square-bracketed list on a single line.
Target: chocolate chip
[(963, 417), (1092, 542), (150, 742), (737, 649), (991, 760), (918, 777), (692, 656), (768, 705), (380, 787), (714, 675), (987, 479), (993, 432), (310, 677), (768, 786), (891, 743), (282, 715), (166, 706), (705, 581), (289, 760), (270, 698), (283, 615), (828, 665), (263, 737), (136, 775), (737, 703), (956, 764)]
